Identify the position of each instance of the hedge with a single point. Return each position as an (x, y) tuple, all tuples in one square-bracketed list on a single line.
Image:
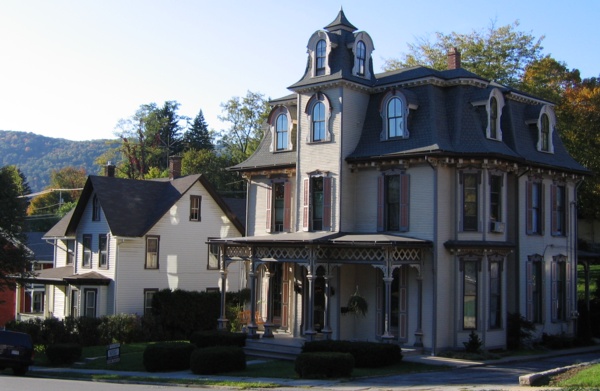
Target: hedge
[(324, 364), (205, 339), (217, 359), (168, 356), (366, 354), (63, 353)]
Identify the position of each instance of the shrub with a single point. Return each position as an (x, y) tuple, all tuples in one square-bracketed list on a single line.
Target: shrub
[(519, 332), (473, 345), (167, 356), (122, 328), (324, 364), (204, 339), (53, 331), (63, 353), (366, 354), (217, 359), (87, 331)]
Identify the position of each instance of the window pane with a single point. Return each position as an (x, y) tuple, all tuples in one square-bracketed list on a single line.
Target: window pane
[(213, 257), (470, 202), (392, 194), (102, 250), (282, 131), (317, 203), (318, 122), (470, 295), (151, 253), (279, 204), (87, 250), (495, 198), (395, 118)]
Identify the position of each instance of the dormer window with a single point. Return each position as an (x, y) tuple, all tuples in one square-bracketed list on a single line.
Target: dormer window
[(361, 57), (545, 124), (318, 110), (320, 57), (494, 109), (281, 130), (394, 113)]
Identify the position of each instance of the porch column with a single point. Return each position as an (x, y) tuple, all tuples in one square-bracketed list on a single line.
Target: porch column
[(309, 331), (326, 326), (388, 308), (222, 321), (252, 327), (18, 290), (419, 332), (269, 326)]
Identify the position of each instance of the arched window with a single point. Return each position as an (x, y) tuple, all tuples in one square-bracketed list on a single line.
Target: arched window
[(546, 123), (493, 118), (281, 130), (321, 57), (395, 118), (494, 107), (361, 57), (545, 133), (318, 122)]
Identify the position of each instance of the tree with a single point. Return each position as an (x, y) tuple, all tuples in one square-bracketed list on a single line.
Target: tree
[(209, 163), (198, 136), (246, 116), (497, 53), (548, 78), (14, 256)]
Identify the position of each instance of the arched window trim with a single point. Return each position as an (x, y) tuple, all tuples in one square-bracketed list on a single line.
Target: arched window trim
[(383, 111), (497, 95), (549, 113), (312, 49), (318, 98), (272, 120), (368, 42)]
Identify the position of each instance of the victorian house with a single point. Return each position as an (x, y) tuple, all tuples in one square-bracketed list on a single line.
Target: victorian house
[(443, 199)]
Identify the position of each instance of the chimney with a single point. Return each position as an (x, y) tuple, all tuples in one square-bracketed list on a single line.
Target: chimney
[(453, 59), (109, 170), (174, 167)]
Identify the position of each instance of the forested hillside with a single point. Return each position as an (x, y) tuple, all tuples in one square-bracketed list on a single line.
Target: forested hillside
[(36, 156)]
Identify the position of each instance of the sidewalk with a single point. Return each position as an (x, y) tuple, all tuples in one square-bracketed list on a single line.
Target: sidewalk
[(321, 383)]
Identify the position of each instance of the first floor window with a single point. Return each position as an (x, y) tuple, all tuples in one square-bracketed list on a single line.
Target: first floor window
[(152, 243), (87, 251), (75, 299), (213, 257), (495, 295), (90, 303), (560, 289), (535, 270), (102, 251), (148, 295), (37, 304), (469, 294)]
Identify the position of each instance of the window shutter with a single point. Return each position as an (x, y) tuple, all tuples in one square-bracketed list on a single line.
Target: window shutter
[(553, 210), (404, 202), (327, 183), (528, 207), (268, 217), (554, 293), (529, 292), (380, 203), (287, 206), (542, 208), (568, 304), (403, 302), (305, 203)]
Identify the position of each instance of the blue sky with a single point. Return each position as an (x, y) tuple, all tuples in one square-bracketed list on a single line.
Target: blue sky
[(72, 68)]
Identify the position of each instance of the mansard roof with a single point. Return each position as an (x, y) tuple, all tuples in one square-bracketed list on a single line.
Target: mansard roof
[(133, 207)]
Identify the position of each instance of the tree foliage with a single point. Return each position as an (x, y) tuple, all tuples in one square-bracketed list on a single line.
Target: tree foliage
[(496, 53), (14, 256), (197, 136), (213, 165), (245, 116)]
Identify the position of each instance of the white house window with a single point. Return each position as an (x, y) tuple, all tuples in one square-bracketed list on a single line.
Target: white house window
[(87, 251), (317, 204), (321, 57), (281, 130), (195, 203), (90, 303), (558, 196), (95, 209), (494, 108), (535, 290), (534, 199), (70, 244), (279, 202), (361, 57), (393, 202), (148, 295), (470, 277), (394, 113), (75, 303), (152, 245), (102, 251), (496, 221), (546, 124), (213, 256), (470, 200), (561, 288), (318, 110)]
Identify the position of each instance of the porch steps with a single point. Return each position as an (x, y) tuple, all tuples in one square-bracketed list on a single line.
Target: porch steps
[(280, 347)]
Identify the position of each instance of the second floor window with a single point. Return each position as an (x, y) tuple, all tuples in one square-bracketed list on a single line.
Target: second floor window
[(281, 131), (393, 203), (102, 251), (195, 202), (152, 243), (535, 208), (317, 204), (559, 212), (87, 251), (279, 199), (470, 198), (318, 122), (70, 251)]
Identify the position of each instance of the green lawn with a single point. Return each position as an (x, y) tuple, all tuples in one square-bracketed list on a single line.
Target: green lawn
[(587, 378), (594, 276)]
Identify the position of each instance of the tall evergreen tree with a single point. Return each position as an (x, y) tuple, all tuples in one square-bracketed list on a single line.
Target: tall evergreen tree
[(198, 136)]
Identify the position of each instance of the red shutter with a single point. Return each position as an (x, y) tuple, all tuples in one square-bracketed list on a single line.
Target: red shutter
[(305, 203), (554, 211), (327, 183), (529, 293), (404, 202), (287, 206), (269, 207), (528, 207), (380, 203)]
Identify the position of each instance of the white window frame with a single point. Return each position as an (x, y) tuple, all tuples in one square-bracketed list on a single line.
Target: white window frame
[(148, 264), (497, 95), (368, 42), (383, 111), (273, 117), (549, 112), (313, 101)]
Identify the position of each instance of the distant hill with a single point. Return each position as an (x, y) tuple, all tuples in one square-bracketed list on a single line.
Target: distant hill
[(36, 156)]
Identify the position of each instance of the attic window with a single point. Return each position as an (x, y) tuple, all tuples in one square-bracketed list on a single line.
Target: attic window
[(320, 57), (494, 109), (279, 125), (394, 112), (361, 57), (95, 209), (546, 123), (195, 202)]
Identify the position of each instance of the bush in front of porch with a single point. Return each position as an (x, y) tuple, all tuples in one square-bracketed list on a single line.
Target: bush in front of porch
[(366, 354)]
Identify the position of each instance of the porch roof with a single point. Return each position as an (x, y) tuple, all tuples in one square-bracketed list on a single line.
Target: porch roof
[(65, 275), (325, 238)]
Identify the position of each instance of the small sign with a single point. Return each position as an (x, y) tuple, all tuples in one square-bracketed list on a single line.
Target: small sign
[(113, 353)]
